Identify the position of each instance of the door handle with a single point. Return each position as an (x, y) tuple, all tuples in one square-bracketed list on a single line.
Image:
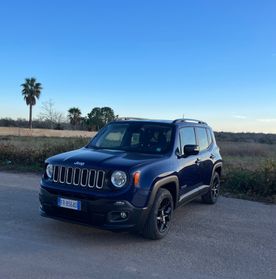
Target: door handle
[(212, 156), (198, 161)]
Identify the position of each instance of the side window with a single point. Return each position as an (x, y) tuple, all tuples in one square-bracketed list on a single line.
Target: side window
[(187, 136), (210, 137), (135, 139), (202, 138)]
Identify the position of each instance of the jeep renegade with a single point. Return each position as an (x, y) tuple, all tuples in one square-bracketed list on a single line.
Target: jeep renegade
[(133, 174)]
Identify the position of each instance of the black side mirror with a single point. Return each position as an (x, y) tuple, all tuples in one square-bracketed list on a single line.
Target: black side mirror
[(191, 149)]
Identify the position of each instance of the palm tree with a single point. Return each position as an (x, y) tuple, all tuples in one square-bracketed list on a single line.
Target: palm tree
[(31, 91), (74, 115)]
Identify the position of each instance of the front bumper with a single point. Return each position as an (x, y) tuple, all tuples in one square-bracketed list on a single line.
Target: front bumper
[(104, 213)]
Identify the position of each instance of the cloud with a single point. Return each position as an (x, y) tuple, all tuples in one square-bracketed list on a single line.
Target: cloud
[(267, 120), (239, 116)]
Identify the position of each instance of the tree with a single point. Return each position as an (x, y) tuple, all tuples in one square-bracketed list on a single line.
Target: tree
[(94, 120), (74, 115), (50, 115), (107, 114), (98, 117), (31, 92)]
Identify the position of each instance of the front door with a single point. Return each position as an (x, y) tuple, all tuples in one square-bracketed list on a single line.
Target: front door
[(189, 168)]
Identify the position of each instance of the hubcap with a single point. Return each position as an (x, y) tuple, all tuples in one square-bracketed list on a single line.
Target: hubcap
[(215, 188), (164, 215)]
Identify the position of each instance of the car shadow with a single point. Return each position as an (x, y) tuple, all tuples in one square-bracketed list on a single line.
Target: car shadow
[(74, 232)]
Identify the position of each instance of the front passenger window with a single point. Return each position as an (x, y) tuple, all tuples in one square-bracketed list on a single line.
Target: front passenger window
[(187, 136)]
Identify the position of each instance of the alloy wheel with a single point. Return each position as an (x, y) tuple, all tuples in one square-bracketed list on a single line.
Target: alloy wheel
[(215, 188), (164, 215)]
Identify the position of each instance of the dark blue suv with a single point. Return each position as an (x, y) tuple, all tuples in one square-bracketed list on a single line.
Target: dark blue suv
[(133, 174)]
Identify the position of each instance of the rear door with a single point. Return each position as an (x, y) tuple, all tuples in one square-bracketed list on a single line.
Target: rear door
[(188, 168), (205, 158)]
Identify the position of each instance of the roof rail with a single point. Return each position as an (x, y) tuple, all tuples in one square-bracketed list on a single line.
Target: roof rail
[(129, 118), (189, 120)]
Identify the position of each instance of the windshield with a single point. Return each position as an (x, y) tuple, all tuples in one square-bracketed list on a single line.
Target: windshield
[(136, 137)]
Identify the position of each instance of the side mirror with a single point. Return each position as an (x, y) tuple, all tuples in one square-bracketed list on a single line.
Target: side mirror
[(191, 149)]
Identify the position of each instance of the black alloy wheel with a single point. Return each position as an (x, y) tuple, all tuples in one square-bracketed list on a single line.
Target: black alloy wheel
[(212, 195), (164, 215), (160, 216), (215, 187)]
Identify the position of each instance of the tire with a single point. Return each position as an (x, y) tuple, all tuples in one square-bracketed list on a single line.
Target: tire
[(212, 195), (159, 220)]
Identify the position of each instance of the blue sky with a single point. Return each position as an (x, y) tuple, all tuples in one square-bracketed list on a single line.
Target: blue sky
[(213, 60)]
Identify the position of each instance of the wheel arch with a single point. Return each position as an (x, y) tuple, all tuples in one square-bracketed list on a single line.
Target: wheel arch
[(217, 168), (170, 183)]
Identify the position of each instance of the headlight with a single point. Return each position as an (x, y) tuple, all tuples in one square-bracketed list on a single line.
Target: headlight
[(49, 170), (119, 179)]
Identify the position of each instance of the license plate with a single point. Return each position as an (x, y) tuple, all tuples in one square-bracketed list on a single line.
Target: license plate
[(67, 203)]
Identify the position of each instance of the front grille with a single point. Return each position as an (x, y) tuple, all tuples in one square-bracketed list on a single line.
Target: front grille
[(79, 177)]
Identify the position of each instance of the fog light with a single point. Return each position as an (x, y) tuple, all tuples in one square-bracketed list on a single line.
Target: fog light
[(123, 215)]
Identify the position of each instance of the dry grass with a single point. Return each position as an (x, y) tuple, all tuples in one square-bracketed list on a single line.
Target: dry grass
[(235, 155), (30, 152), (249, 168), (245, 149), (35, 143), (250, 156), (22, 132)]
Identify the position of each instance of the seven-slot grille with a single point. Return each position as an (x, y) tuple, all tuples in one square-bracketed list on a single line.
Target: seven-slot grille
[(79, 177)]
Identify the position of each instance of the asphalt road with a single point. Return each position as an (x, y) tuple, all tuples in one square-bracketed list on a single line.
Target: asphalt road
[(232, 239)]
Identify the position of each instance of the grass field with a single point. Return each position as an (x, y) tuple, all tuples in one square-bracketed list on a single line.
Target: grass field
[(241, 155), (249, 168), (29, 153), (22, 132)]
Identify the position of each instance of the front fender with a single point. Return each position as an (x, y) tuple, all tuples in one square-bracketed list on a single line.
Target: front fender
[(155, 187), (169, 180)]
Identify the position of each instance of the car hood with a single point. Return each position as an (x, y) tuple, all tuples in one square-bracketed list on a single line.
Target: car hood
[(103, 158)]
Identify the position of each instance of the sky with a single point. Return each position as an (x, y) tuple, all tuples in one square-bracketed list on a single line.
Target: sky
[(209, 60)]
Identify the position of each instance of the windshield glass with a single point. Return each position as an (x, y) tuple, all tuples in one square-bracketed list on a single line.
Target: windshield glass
[(136, 137)]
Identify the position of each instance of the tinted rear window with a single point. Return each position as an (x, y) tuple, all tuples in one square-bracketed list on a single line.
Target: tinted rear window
[(210, 136), (202, 138)]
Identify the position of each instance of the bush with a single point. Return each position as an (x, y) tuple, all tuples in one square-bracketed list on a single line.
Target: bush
[(34, 156), (258, 183)]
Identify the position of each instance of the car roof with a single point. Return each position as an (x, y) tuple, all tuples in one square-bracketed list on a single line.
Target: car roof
[(178, 122)]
